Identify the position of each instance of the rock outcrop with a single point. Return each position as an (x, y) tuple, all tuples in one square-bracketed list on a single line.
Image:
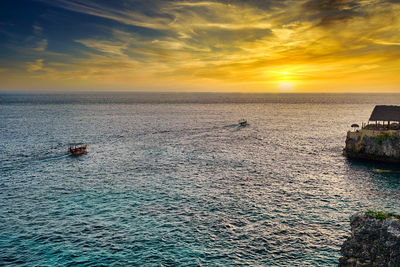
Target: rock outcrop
[(374, 240), (373, 145)]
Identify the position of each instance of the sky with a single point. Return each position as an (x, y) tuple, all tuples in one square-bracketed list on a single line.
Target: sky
[(255, 46)]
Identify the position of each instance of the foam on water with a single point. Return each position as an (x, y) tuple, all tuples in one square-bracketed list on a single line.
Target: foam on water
[(168, 183)]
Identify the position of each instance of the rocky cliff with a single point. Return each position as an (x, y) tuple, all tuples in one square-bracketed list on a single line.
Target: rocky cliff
[(373, 145), (374, 240)]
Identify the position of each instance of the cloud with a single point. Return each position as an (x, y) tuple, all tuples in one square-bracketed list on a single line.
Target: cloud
[(167, 15), (368, 67), (34, 66), (37, 30), (330, 11), (222, 41), (41, 45), (36, 40), (382, 42), (110, 47), (197, 28), (105, 10)]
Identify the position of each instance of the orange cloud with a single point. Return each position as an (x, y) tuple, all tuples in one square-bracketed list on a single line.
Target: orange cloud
[(301, 46)]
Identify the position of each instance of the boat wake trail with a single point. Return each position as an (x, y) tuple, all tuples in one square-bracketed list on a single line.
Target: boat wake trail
[(235, 127), (231, 125), (54, 158), (22, 164)]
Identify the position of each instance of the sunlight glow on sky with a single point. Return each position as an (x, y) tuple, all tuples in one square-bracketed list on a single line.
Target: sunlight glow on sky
[(191, 45)]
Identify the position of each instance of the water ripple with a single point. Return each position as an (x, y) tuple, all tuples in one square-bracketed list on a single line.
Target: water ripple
[(167, 184)]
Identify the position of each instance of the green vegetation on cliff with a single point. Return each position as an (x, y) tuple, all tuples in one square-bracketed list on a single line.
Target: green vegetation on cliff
[(382, 215), (386, 136)]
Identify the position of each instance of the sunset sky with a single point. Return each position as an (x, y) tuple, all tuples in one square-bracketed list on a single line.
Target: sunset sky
[(217, 46)]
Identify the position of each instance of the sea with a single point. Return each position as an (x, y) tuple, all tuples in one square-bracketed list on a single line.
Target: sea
[(170, 179)]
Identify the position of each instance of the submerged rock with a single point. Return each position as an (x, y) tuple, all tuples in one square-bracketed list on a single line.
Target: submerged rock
[(374, 240)]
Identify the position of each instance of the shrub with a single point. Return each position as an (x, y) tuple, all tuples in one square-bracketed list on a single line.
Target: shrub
[(380, 215), (385, 136)]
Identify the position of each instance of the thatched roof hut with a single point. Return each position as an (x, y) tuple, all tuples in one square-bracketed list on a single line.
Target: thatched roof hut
[(386, 113)]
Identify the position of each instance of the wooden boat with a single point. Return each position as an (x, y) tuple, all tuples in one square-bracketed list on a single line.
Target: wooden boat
[(77, 148)]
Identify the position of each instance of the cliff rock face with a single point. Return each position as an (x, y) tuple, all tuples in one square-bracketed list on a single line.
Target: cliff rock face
[(373, 145), (374, 241)]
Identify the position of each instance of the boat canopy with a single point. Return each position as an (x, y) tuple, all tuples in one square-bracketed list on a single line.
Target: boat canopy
[(76, 144)]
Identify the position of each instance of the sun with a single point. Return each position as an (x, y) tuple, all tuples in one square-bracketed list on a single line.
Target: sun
[(285, 87)]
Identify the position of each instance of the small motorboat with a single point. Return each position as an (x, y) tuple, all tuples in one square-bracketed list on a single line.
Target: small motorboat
[(77, 148), (242, 122)]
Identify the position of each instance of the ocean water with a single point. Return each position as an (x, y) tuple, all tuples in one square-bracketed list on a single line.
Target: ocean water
[(170, 180)]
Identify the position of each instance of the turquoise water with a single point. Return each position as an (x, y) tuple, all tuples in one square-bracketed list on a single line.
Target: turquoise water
[(170, 180)]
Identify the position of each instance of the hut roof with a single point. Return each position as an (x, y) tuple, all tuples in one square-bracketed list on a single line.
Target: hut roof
[(385, 113)]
